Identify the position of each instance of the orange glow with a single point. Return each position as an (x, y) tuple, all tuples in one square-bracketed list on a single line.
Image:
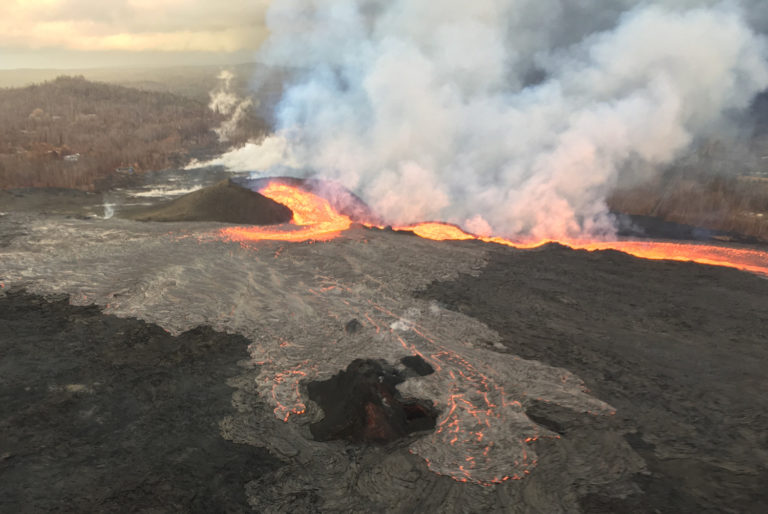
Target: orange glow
[(755, 261), (744, 259), (478, 414), (313, 218), (438, 231)]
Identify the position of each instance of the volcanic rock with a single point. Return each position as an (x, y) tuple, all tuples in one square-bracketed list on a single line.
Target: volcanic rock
[(679, 353), (341, 199), (225, 202), (353, 326), (551, 335), (362, 404), (417, 365), (107, 414)]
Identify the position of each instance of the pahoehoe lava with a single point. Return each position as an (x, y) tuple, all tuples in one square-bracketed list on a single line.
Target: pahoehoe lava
[(105, 414), (677, 348), (679, 353)]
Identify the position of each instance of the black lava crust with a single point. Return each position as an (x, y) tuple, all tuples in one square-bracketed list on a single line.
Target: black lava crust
[(225, 202), (362, 404), (679, 349), (102, 414)]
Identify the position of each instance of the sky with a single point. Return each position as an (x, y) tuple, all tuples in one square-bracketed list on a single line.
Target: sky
[(98, 33)]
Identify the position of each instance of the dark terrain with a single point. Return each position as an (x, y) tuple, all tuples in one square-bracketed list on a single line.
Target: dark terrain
[(106, 413), (102, 414), (362, 404), (225, 202), (680, 350)]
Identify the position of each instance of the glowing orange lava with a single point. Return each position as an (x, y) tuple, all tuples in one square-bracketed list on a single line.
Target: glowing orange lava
[(438, 231), (481, 419), (755, 261), (744, 259), (314, 219)]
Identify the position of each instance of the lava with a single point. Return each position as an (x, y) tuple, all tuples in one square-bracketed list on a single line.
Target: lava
[(745, 259), (313, 218), (438, 231), (480, 418)]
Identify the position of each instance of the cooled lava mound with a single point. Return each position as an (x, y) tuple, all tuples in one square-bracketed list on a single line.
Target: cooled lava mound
[(224, 202), (362, 404)]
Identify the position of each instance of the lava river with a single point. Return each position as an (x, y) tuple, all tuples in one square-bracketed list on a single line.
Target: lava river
[(315, 219)]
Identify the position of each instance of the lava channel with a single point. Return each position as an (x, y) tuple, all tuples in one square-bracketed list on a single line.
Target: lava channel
[(314, 219)]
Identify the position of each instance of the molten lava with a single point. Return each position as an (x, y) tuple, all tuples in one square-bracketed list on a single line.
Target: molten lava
[(482, 419), (314, 219), (438, 231), (755, 261)]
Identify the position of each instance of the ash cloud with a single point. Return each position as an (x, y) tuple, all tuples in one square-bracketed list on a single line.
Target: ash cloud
[(512, 117)]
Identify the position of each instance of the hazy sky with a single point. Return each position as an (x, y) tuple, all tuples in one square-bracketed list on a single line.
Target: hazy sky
[(84, 33)]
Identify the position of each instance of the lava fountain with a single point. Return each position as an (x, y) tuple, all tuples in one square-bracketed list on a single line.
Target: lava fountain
[(314, 219)]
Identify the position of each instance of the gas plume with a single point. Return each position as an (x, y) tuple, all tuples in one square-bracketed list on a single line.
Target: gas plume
[(511, 117), (228, 103)]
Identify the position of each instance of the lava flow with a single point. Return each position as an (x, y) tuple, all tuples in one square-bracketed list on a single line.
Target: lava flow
[(483, 433), (744, 259), (314, 219)]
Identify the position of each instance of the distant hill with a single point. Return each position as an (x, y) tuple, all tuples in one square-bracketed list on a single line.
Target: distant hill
[(71, 132), (190, 81), (194, 82)]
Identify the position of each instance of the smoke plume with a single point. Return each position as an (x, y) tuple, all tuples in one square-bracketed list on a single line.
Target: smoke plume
[(228, 103), (512, 117)]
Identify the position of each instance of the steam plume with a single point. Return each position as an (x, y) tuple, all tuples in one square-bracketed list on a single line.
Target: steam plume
[(506, 116), (228, 103)]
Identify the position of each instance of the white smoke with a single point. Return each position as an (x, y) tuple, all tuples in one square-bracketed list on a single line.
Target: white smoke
[(271, 153), (225, 101), (505, 116), (109, 210)]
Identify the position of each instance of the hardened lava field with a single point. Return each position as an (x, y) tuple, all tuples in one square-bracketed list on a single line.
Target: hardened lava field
[(561, 379)]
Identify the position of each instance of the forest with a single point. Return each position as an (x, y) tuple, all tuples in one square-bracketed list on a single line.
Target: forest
[(77, 133), (71, 132)]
